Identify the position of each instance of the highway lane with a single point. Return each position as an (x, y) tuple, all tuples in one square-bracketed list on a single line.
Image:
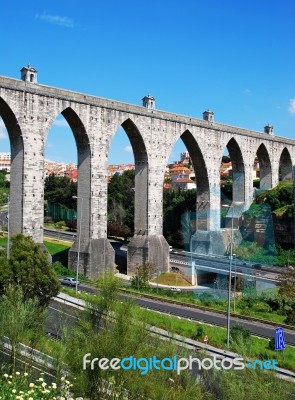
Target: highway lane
[(198, 315), (211, 262), (193, 314)]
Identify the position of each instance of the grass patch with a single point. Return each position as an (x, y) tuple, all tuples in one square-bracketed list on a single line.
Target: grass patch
[(171, 279), (54, 248), (3, 241)]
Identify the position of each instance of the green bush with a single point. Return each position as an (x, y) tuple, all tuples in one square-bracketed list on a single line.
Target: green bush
[(239, 332), (271, 344), (60, 224)]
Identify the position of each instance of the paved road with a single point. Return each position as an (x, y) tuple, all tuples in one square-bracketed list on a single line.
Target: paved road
[(206, 263), (209, 317)]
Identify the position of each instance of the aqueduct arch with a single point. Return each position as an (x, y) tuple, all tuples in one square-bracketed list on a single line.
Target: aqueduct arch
[(285, 165), (17, 166), (265, 167), (27, 109)]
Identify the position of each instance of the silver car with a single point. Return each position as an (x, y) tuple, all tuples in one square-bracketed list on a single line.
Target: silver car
[(69, 281)]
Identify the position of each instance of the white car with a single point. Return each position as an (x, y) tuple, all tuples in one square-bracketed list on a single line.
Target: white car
[(175, 289), (69, 281)]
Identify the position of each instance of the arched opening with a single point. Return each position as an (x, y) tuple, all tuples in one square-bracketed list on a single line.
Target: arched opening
[(262, 169), (67, 155), (61, 176), (235, 171), (186, 198), (127, 188), (285, 166), (9, 123), (232, 172)]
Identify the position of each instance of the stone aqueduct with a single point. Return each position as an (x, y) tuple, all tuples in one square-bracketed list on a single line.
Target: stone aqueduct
[(28, 111)]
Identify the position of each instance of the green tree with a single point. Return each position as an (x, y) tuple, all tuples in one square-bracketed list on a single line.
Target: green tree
[(60, 190), (143, 275), (4, 187), (287, 284), (121, 199), (28, 266), (20, 319), (110, 328), (175, 204)]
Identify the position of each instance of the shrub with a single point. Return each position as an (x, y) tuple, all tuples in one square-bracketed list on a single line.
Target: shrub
[(72, 224), (271, 344), (206, 298), (239, 332), (290, 317), (60, 224)]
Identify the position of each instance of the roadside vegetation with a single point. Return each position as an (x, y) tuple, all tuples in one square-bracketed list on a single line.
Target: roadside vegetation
[(4, 188), (110, 328)]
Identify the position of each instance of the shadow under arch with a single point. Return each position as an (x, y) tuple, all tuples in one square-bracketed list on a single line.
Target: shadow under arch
[(285, 166), (238, 171), (16, 169), (264, 167), (202, 181), (81, 247), (141, 177)]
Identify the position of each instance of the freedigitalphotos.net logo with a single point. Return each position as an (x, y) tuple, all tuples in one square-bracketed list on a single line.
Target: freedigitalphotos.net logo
[(175, 363)]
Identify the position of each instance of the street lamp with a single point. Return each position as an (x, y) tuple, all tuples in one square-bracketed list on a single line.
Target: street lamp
[(230, 269), (8, 231), (79, 240), (235, 281), (230, 266)]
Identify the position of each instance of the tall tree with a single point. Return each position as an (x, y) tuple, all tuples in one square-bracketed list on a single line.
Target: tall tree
[(20, 319), (28, 266)]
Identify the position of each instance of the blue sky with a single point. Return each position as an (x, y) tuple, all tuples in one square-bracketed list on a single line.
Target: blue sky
[(234, 57)]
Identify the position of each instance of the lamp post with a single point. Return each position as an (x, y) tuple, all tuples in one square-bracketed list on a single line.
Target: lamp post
[(235, 281), (230, 273), (79, 239), (8, 230)]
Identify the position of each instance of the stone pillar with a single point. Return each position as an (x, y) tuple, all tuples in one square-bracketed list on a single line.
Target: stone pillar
[(96, 253), (16, 185), (34, 129), (148, 243), (248, 189)]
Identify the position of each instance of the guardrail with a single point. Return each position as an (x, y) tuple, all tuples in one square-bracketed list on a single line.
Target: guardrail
[(204, 308), (213, 310), (193, 344)]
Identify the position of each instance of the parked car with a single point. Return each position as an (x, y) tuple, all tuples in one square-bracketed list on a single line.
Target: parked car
[(170, 248), (69, 281), (257, 266), (175, 289)]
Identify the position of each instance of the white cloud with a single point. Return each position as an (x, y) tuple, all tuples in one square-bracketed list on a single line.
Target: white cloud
[(56, 19), (3, 131), (291, 108), (128, 149), (61, 122), (49, 145), (246, 91)]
